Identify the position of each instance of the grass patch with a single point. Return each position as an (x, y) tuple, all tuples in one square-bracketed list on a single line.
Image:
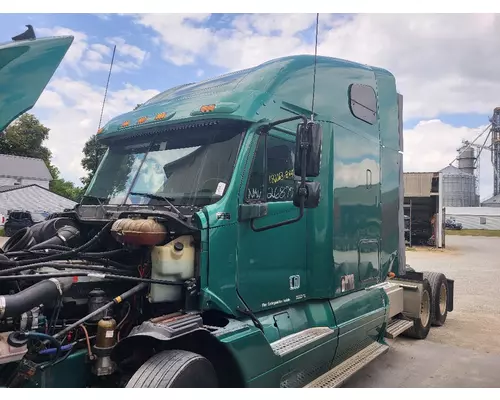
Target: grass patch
[(2, 232), (473, 232)]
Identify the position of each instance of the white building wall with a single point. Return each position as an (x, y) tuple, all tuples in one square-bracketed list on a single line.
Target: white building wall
[(8, 181), (475, 217)]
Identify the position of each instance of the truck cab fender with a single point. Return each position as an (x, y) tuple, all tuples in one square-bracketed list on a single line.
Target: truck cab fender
[(186, 332)]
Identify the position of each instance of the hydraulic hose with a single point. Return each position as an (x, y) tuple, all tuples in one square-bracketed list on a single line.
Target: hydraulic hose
[(67, 254), (75, 265), (41, 292), (116, 300)]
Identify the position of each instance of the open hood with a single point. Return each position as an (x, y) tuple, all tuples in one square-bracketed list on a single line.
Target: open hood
[(25, 69)]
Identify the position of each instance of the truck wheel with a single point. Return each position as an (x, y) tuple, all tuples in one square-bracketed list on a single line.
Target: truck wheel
[(422, 324), (175, 369), (439, 286)]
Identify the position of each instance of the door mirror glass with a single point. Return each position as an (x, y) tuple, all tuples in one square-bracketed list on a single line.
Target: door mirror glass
[(310, 139)]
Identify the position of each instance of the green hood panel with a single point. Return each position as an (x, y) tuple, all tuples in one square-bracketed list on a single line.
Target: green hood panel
[(26, 68)]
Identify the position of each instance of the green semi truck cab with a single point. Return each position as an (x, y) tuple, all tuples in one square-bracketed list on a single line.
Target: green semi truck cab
[(264, 239)]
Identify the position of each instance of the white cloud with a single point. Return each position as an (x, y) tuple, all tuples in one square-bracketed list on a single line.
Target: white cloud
[(71, 109), (444, 63), (84, 56)]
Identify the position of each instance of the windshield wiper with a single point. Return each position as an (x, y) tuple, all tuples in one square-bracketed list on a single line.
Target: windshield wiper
[(99, 200), (167, 200)]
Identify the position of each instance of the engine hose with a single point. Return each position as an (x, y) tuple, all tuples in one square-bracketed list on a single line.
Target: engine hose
[(92, 275), (13, 305), (63, 255), (106, 268), (116, 300)]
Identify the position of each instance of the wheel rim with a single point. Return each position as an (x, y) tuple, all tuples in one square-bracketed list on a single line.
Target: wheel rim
[(425, 308), (443, 294)]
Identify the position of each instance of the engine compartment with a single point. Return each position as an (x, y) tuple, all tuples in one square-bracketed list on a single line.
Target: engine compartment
[(69, 285)]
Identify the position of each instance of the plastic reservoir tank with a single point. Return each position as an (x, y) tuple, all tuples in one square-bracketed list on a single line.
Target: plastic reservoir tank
[(174, 262)]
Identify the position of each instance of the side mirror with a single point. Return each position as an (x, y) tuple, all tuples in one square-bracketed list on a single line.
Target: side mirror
[(309, 139), (312, 197)]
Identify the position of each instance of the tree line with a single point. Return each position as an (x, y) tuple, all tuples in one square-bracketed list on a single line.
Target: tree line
[(25, 137)]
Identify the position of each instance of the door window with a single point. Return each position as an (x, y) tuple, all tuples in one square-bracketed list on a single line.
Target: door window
[(275, 181)]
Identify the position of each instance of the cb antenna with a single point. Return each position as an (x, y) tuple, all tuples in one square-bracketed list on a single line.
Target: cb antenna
[(96, 164), (315, 65), (107, 85)]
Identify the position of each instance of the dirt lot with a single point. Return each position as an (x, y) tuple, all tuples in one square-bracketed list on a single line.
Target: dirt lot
[(2, 240), (465, 352)]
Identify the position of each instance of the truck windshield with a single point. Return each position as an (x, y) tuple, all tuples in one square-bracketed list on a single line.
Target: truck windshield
[(185, 167)]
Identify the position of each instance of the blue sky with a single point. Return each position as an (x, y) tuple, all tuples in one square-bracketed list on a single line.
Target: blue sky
[(448, 96)]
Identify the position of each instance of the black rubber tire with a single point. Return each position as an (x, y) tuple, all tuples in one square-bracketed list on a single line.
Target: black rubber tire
[(436, 280), (419, 330), (175, 369)]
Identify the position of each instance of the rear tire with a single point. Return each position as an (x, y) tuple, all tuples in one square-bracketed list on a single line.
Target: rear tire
[(422, 324), (439, 306), (175, 369)]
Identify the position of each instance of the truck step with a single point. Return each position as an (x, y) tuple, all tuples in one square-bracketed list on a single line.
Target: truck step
[(297, 340), (396, 327), (338, 375)]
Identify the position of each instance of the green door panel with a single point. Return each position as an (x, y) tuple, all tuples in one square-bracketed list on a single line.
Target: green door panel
[(25, 69), (268, 260), (356, 210)]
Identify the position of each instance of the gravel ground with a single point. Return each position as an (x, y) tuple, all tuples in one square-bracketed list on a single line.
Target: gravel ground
[(465, 352)]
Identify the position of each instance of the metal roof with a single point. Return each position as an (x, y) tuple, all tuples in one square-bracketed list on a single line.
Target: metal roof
[(451, 170), (492, 200), (24, 167), (8, 188)]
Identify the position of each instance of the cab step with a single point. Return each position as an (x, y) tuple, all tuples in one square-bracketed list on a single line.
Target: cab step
[(338, 375), (396, 327), (300, 339)]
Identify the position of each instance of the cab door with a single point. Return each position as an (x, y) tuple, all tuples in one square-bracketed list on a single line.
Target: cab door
[(271, 263)]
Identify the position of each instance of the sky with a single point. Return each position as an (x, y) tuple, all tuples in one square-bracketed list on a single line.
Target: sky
[(445, 66)]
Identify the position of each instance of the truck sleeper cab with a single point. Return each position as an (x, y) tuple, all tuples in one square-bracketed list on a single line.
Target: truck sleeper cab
[(284, 246), (306, 295)]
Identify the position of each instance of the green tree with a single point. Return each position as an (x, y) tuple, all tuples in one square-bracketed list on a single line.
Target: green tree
[(93, 151), (25, 137)]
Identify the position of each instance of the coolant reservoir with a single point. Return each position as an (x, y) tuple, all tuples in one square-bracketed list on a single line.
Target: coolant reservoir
[(173, 262)]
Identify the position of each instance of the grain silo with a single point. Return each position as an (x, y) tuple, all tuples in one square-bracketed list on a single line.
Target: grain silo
[(459, 187)]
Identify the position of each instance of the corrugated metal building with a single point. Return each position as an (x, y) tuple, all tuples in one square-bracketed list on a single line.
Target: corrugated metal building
[(32, 198), (475, 217), (423, 205)]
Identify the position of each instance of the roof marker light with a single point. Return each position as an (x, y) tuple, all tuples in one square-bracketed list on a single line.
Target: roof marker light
[(161, 115), (125, 124), (142, 120), (207, 108), (100, 131)]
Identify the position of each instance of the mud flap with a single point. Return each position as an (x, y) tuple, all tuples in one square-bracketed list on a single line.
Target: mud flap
[(26, 68), (449, 300)]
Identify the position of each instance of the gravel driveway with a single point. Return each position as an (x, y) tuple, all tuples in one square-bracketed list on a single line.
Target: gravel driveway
[(465, 352)]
